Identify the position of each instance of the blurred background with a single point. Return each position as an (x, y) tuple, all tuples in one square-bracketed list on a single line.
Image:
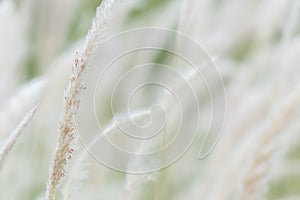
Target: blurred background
[(254, 45)]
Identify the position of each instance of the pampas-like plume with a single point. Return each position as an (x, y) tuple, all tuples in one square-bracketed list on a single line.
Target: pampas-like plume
[(98, 29), (12, 139), (24, 99), (259, 166), (71, 97), (109, 130)]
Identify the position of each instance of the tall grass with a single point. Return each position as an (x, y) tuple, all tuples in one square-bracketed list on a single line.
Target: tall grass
[(254, 45)]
